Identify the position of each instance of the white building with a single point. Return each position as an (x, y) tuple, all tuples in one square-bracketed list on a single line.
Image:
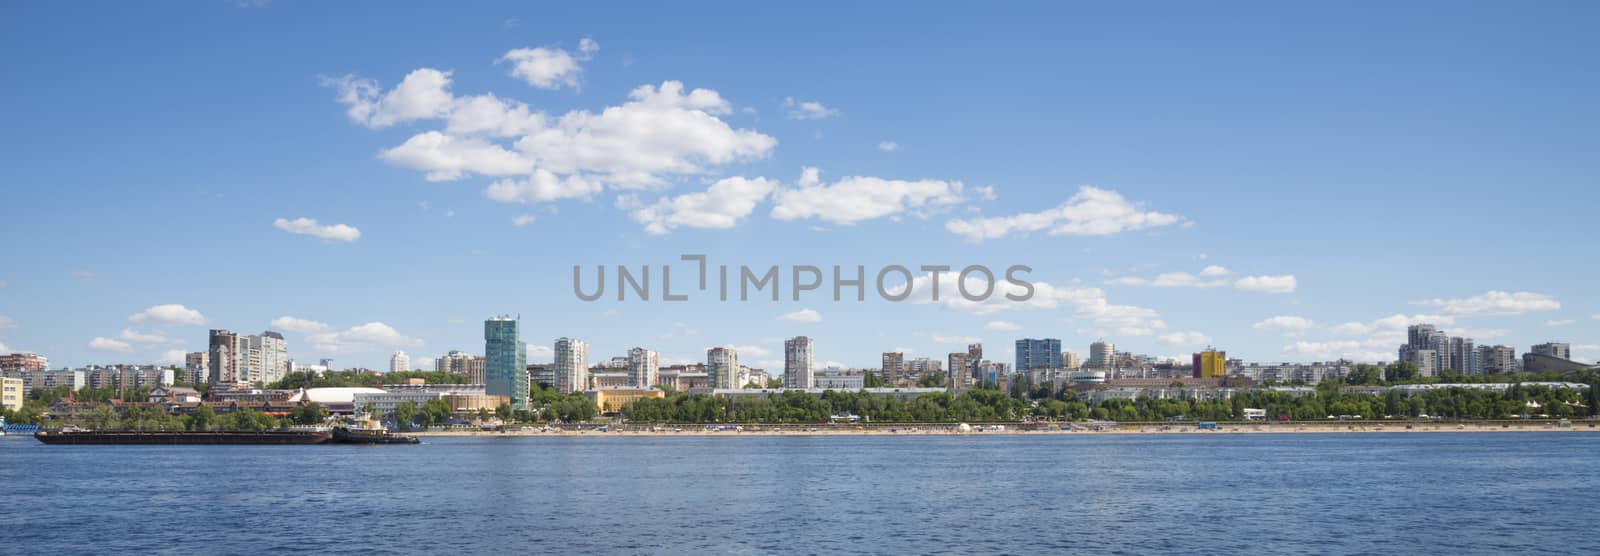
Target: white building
[(571, 365), (399, 362), (643, 365), (797, 357), (722, 368), (836, 379), (268, 358), (1102, 355)]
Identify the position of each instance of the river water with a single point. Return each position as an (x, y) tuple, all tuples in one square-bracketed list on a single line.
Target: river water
[(1441, 493)]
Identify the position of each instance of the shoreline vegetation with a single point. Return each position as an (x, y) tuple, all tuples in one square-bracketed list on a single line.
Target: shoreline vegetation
[(1028, 429)]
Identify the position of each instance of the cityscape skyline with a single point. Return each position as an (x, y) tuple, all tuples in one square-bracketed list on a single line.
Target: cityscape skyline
[(1265, 220)]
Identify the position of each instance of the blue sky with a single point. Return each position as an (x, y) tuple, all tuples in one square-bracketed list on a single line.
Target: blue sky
[(1403, 163)]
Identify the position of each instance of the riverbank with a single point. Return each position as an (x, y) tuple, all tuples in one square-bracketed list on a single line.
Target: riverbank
[(1076, 430)]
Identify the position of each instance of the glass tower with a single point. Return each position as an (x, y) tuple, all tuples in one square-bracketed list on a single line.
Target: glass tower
[(505, 361)]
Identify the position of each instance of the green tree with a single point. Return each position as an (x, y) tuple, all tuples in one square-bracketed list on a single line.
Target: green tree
[(309, 414), (102, 417), (203, 419), (405, 413)]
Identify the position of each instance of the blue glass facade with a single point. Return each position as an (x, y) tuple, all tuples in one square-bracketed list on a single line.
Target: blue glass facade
[(1038, 354), (505, 368)]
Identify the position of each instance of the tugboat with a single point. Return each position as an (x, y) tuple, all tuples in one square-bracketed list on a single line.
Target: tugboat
[(368, 431)]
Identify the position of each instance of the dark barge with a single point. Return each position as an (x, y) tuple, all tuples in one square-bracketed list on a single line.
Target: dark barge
[(181, 438)]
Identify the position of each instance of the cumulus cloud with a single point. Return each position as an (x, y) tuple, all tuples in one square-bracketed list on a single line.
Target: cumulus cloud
[(295, 324), (1087, 304), (1173, 280), (173, 357), (749, 350), (955, 339), (888, 146), (807, 110), (1287, 324), (1495, 303), (110, 345), (1559, 322), (1339, 349), (522, 220), (1392, 324), (372, 334), (1268, 284), (169, 314), (4, 349), (550, 67), (856, 198), (1003, 326), (1213, 270), (543, 352), (1185, 338), (1089, 212), (722, 205), (130, 335), (310, 227), (662, 132), (803, 315)]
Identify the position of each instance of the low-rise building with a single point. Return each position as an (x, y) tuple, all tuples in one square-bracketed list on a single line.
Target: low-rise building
[(11, 395), (612, 400)]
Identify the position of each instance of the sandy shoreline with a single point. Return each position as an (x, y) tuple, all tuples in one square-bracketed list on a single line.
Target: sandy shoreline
[(1077, 431)]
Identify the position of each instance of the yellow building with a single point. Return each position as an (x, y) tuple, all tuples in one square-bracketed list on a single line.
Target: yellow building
[(11, 393), (1211, 364), (611, 400)]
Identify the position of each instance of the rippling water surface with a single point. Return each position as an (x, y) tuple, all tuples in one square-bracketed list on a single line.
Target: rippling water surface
[(1277, 494)]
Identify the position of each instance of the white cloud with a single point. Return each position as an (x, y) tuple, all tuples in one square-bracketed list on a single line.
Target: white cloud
[(310, 227), (1088, 304), (888, 146), (1287, 324), (1339, 349), (661, 132), (422, 94), (550, 67), (130, 335), (1392, 324), (722, 205), (856, 198), (173, 357), (955, 339), (749, 350), (302, 326), (1559, 322), (365, 335), (169, 314), (1089, 212), (522, 220), (1268, 284), (1003, 326), (1496, 303), (807, 110), (1213, 270), (541, 351), (1171, 280), (4, 349), (110, 345), (803, 315), (1185, 338), (1580, 352)]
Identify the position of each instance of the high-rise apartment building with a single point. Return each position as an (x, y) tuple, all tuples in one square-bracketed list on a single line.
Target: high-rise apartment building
[(1102, 355), (923, 367), (797, 360), (958, 372), (196, 367), (24, 362), (1554, 349), (1210, 364), (1069, 360), (226, 357), (1498, 359), (572, 365), (268, 358), (643, 366), (722, 368), (974, 356), (458, 362), (399, 362), (893, 369), (505, 361), (1037, 354)]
